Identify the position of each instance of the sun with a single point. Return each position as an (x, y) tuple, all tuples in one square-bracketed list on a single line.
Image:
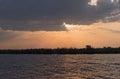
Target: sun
[(69, 27), (72, 27), (93, 2)]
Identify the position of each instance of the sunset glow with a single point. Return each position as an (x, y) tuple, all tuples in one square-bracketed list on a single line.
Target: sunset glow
[(76, 36), (59, 23), (93, 2), (59, 39)]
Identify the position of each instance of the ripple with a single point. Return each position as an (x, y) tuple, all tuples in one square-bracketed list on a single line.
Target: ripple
[(59, 66)]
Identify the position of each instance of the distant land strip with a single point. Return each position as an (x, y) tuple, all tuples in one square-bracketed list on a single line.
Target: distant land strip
[(87, 50)]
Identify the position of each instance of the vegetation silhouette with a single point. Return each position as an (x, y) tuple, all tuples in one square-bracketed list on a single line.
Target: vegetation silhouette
[(88, 50)]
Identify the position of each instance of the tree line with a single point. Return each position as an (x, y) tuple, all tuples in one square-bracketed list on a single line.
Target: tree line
[(87, 50)]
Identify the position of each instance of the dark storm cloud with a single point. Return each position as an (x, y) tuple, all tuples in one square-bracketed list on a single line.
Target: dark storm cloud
[(34, 25), (50, 14)]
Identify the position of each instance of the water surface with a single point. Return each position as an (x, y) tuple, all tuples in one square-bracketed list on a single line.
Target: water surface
[(106, 66)]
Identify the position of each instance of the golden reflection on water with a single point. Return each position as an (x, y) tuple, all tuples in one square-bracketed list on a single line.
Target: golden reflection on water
[(60, 66), (71, 68)]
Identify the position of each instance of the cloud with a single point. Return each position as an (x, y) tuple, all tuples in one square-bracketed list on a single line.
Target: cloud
[(112, 27), (111, 30), (33, 25), (8, 35), (49, 15)]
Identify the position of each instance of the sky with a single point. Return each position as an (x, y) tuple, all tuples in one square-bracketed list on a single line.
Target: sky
[(28, 24)]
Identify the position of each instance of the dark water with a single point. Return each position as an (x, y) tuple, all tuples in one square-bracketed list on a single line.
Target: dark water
[(60, 66)]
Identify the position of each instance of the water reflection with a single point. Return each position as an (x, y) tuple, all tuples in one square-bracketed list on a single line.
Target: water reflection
[(69, 68), (59, 66)]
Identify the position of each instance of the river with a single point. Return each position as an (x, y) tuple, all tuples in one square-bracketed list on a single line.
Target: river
[(95, 66)]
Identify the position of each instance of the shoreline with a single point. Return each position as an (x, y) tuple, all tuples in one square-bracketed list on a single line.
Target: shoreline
[(63, 51)]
